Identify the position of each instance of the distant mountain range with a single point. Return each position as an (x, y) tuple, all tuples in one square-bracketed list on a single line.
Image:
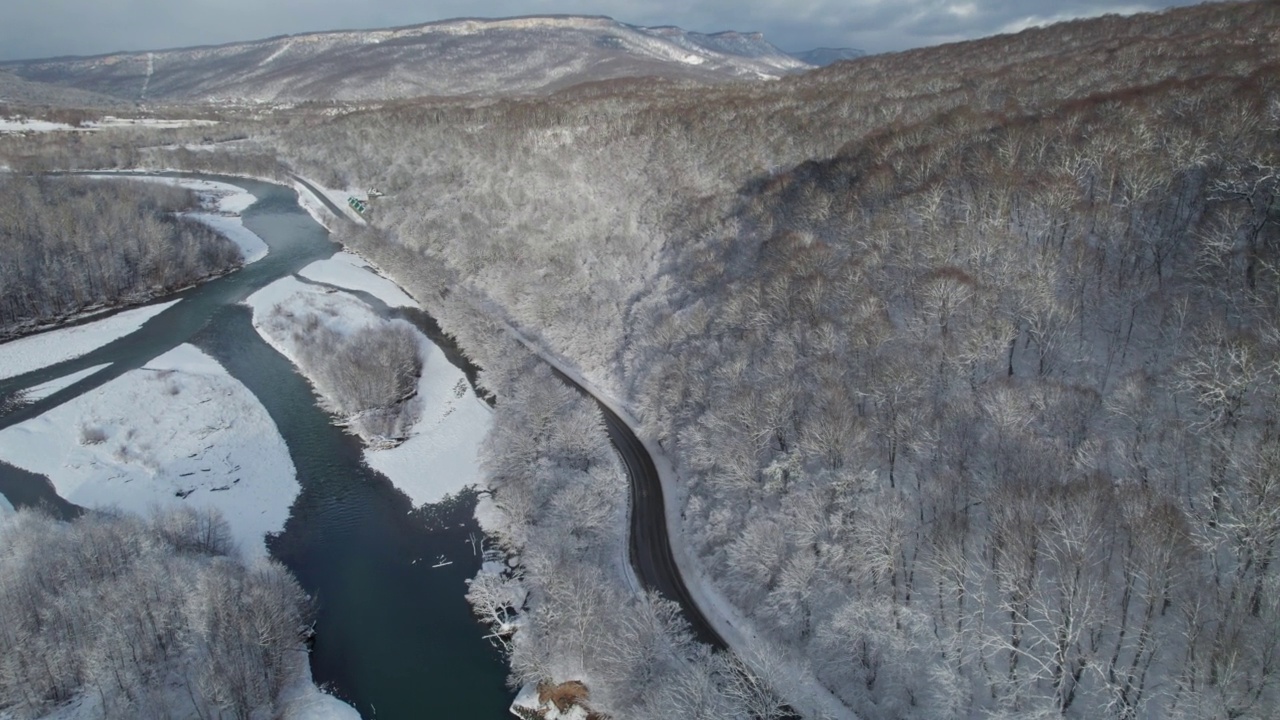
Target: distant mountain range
[(450, 58), (826, 56)]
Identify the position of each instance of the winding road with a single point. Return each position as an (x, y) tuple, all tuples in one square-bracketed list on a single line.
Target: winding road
[(650, 547)]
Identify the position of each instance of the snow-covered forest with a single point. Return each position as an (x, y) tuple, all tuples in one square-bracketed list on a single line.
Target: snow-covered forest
[(968, 355), (114, 616), (71, 244), (968, 358)]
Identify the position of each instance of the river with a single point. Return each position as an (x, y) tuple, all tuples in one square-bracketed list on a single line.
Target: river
[(395, 636)]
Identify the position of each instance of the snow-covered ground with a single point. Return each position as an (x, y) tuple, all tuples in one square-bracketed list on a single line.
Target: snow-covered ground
[(223, 202), (252, 247), (349, 271), (302, 700), (44, 390), (440, 456), (36, 351), (154, 123), (178, 431), (321, 212), (24, 125)]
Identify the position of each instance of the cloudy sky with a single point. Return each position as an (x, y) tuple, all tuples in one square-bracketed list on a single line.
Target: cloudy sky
[(45, 28)]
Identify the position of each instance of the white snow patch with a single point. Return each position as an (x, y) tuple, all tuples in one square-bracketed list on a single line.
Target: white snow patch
[(36, 351), (6, 507), (110, 121), (440, 457), (316, 209), (252, 247), (44, 390), (349, 271), (26, 125), (341, 311), (280, 51), (302, 700), (491, 518), (178, 431)]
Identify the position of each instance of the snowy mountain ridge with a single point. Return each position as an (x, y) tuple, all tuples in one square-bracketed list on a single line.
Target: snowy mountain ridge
[(466, 56)]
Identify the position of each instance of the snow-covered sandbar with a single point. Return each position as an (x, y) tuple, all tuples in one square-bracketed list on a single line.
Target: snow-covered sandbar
[(440, 456), (47, 348), (178, 431), (349, 271)]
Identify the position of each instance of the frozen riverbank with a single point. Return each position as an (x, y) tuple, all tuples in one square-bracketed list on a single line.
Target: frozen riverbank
[(54, 346), (178, 431)]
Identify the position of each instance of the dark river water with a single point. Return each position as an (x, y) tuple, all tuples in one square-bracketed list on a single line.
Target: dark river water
[(395, 636)]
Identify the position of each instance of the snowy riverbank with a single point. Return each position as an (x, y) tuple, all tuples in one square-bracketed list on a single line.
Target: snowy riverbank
[(178, 431), (54, 346)]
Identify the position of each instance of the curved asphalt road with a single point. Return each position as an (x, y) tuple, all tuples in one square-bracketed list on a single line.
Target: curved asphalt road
[(321, 197), (650, 549)]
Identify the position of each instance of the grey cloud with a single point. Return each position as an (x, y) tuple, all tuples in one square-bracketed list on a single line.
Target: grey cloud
[(44, 28)]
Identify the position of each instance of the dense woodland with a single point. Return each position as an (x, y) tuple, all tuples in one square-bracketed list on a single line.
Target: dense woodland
[(968, 355), (133, 618), (72, 244)]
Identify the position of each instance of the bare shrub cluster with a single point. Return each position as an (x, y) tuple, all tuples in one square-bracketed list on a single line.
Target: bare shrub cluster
[(367, 376)]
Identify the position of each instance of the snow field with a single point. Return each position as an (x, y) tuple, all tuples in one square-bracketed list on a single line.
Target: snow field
[(27, 125), (48, 348), (179, 430)]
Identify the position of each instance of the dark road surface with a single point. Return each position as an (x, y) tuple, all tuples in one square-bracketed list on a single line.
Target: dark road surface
[(650, 548)]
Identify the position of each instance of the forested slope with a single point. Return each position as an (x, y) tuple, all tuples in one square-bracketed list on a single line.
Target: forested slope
[(70, 244), (126, 618), (969, 355)]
